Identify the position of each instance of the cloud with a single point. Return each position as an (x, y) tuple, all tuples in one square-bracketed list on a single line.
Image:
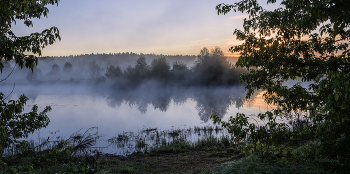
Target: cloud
[(232, 42), (199, 40), (240, 16)]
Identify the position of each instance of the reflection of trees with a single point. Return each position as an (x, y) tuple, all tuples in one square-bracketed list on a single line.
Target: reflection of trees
[(114, 100), (142, 106), (217, 102), (32, 96), (209, 101), (162, 100), (141, 98), (180, 96)]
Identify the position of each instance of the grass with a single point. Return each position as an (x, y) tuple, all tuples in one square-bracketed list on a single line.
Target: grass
[(178, 156), (170, 152), (254, 164), (153, 138)]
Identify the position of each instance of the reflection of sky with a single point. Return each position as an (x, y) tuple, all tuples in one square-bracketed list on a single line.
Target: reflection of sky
[(76, 107), (152, 26)]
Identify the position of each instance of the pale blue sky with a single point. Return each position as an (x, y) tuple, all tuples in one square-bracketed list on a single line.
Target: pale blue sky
[(140, 26)]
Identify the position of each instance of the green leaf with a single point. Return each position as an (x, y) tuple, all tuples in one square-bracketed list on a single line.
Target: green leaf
[(336, 96)]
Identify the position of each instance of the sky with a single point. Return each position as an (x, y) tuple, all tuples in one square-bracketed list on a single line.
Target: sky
[(139, 26)]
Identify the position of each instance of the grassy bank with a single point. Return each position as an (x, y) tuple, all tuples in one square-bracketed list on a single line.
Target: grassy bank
[(177, 156), (208, 155)]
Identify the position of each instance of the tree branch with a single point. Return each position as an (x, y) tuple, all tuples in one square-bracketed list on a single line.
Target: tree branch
[(10, 92), (8, 74)]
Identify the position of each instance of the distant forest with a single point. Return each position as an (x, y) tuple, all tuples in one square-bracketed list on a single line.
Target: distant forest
[(124, 70)]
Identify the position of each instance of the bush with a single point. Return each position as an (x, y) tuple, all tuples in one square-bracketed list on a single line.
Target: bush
[(305, 41), (114, 72), (213, 69), (160, 69), (14, 124)]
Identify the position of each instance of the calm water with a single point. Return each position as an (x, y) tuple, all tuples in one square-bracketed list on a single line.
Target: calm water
[(79, 107)]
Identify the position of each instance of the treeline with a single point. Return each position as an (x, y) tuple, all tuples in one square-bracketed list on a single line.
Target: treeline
[(210, 69), (36, 75), (122, 59)]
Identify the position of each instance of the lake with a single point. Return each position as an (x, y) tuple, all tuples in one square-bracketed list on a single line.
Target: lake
[(80, 107)]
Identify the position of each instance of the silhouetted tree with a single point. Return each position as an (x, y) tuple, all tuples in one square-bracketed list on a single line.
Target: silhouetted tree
[(211, 68), (141, 66), (94, 70), (204, 53), (141, 69), (67, 68), (129, 73), (33, 75), (55, 68), (55, 71), (179, 71), (114, 72), (160, 69)]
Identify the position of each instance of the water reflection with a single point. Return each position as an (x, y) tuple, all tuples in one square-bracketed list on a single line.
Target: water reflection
[(115, 111), (127, 142), (209, 101)]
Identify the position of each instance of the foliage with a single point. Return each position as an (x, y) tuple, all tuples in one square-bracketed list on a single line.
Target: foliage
[(139, 72), (94, 70), (55, 71), (141, 67), (67, 68), (212, 68), (160, 69), (304, 40), (129, 72), (62, 156), (113, 72), (13, 123), (13, 47), (179, 70)]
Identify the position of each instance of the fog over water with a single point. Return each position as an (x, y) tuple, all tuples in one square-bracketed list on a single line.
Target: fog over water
[(164, 96), (144, 106), (76, 107)]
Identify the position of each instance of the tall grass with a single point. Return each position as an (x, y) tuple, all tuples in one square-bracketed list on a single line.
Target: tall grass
[(153, 140)]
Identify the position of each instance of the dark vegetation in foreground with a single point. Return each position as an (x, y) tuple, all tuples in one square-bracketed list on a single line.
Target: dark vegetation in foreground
[(306, 40), (208, 155), (76, 154)]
